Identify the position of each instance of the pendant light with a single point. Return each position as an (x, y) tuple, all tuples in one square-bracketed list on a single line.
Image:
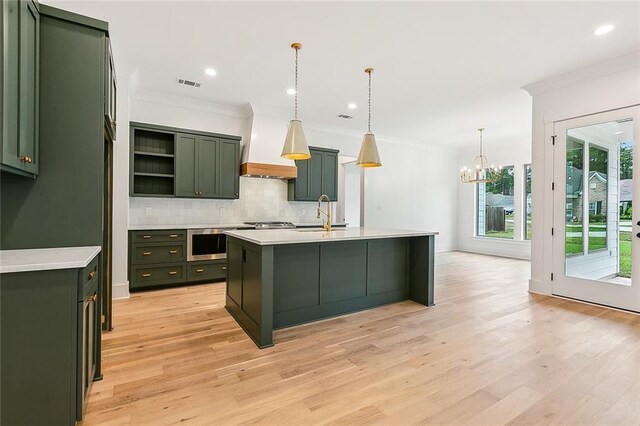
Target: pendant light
[(295, 144), (480, 172), (368, 156)]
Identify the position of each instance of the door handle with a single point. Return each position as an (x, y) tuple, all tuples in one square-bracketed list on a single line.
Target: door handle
[(638, 235)]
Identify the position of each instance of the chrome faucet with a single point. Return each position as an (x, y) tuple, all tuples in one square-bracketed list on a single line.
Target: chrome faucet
[(325, 225)]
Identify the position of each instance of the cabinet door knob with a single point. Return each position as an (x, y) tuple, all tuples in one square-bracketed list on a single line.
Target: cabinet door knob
[(199, 270), (147, 275), (173, 272), (91, 274), (23, 158), (173, 251), (146, 253)]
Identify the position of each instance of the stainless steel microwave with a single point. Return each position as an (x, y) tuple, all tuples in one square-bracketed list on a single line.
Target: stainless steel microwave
[(206, 244)]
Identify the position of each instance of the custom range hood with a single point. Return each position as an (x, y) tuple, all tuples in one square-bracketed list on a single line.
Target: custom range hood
[(261, 153)]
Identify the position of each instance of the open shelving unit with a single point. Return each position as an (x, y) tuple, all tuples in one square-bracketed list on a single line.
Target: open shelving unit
[(153, 159)]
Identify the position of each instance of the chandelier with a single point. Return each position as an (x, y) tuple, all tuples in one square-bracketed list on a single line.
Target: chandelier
[(481, 172)]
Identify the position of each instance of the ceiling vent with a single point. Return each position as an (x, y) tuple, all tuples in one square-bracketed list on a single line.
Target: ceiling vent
[(188, 82), (345, 116)]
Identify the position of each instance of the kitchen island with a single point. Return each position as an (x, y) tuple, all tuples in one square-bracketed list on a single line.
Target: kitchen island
[(280, 278)]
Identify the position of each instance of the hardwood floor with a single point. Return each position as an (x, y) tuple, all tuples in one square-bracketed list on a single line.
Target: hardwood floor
[(488, 353)]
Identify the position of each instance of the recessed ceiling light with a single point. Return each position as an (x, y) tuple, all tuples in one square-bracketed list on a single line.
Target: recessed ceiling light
[(604, 29), (291, 91), (352, 106), (210, 72)]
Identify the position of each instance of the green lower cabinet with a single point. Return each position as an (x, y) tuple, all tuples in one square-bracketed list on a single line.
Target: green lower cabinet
[(208, 270), (49, 344), (158, 253), (143, 276)]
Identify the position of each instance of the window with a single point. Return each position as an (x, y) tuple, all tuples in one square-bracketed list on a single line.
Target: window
[(494, 209), (527, 201)]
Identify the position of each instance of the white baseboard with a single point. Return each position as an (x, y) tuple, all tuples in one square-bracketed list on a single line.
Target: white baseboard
[(540, 287), (120, 291)]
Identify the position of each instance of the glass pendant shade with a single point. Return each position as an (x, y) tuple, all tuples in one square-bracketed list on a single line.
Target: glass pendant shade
[(295, 144), (369, 156)]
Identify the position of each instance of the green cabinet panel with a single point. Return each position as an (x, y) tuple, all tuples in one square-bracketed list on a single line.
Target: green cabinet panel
[(207, 270), (229, 168), (234, 271), (186, 165), (387, 265), (206, 171), (296, 277), (316, 176), (252, 284), (343, 271), (330, 175), (20, 87), (316, 173), (110, 91)]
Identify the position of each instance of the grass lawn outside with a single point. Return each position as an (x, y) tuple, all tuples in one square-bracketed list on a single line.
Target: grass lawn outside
[(508, 231), (574, 246)]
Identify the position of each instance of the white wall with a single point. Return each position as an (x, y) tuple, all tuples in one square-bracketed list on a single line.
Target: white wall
[(603, 87), (414, 189), (515, 154)]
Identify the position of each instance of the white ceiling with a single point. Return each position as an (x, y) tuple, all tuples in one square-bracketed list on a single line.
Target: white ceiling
[(443, 69)]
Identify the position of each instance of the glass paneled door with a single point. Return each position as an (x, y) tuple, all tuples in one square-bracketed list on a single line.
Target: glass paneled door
[(596, 239)]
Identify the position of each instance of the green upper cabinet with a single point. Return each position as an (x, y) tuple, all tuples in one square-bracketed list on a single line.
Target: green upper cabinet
[(316, 176), (207, 168), (173, 162), (20, 87), (110, 93), (229, 159), (186, 166)]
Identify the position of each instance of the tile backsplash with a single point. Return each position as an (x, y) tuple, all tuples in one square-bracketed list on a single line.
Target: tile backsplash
[(260, 199)]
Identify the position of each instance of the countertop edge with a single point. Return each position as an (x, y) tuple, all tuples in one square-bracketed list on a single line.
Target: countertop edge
[(48, 265), (337, 239)]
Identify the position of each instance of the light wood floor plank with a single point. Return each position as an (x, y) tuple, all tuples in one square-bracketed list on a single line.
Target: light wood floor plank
[(488, 353)]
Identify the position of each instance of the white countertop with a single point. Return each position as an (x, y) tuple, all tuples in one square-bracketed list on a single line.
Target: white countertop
[(211, 225), (296, 236), (46, 259)]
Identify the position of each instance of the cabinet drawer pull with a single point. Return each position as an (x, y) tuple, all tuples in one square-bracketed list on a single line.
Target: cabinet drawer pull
[(173, 251), (91, 274), (146, 253), (224, 268), (199, 270), (146, 237), (173, 235), (93, 298), (173, 273), (147, 275)]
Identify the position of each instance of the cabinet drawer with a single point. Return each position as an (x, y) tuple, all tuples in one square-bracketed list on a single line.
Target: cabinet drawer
[(201, 271), (148, 276), (171, 235), (152, 253), (88, 278)]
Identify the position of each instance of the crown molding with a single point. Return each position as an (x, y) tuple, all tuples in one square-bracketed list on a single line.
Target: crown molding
[(581, 75)]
